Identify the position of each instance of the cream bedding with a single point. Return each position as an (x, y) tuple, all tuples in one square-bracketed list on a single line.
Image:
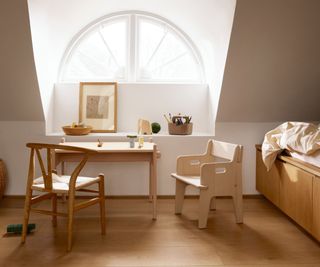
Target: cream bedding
[(300, 137), (313, 159)]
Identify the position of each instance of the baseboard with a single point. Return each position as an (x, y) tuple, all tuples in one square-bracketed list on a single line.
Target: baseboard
[(251, 196)]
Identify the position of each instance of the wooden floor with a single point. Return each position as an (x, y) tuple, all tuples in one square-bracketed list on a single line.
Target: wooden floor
[(267, 237)]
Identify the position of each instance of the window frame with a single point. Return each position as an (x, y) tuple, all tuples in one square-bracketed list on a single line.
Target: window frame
[(78, 38), (131, 74)]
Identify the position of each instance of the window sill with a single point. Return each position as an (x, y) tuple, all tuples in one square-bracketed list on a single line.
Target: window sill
[(124, 134), (165, 83)]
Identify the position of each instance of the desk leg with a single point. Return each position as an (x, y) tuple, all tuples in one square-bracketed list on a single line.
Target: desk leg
[(150, 182), (154, 181)]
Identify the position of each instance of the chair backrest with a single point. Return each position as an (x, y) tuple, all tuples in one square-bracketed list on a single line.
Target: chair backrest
[(48, 170), (232, 152)]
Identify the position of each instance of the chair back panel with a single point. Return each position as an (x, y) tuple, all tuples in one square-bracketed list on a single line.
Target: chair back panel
[(232, 152), (46, 164), (46, 172), (63, 147)]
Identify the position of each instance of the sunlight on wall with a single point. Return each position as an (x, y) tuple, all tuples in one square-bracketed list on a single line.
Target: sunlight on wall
[(55, 23)]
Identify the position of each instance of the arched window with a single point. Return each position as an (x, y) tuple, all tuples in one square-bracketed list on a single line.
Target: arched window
[(131, 47)]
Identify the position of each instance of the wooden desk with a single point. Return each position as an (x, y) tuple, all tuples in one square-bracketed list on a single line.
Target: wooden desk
[(117, 152)]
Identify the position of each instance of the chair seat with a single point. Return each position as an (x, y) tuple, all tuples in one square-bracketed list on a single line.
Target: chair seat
[(190, 180), (60, 184)]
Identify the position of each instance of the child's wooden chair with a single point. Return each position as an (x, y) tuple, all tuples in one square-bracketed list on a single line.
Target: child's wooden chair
[(218, 172), (51, 184)]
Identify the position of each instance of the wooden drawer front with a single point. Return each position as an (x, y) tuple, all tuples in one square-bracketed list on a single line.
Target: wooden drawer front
[(268, 183), (261, 173), (272, 183), (316, 208), (296, 194)]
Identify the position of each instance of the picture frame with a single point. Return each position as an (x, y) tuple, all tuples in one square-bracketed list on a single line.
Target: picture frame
[(98, 106)]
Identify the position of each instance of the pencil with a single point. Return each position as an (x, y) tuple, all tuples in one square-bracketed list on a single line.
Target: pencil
[(166, 118)]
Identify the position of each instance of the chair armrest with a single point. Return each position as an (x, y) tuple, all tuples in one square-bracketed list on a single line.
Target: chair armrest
[(209, 170), (217, 164), (190, 165)]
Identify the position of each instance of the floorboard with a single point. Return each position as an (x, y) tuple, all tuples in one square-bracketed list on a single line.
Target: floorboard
[(267, 237)]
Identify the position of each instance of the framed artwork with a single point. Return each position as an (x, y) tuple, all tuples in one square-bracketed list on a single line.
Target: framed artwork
[(98, 106)]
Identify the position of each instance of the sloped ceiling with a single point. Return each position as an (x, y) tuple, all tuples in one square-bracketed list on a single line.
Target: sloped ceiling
[(273, 66), (19, 91)]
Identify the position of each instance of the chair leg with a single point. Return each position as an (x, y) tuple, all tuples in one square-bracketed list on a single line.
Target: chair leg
[(102, 205), (204, 207), (27, 206), (54, 209), (213, 204), (70, 220), (180, 191), (238, 207)]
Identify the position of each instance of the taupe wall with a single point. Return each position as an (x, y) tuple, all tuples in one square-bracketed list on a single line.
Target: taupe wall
[(19, 91), (273, 65)]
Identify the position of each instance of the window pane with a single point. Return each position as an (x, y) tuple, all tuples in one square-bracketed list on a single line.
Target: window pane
[(163, 54), (115, 36), (150, 36), (100, 54)]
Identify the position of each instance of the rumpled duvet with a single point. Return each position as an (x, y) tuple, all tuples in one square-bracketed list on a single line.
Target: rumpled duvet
[(300, 137)]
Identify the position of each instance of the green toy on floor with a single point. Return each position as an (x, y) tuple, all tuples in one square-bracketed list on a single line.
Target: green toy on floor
[(17, 228)]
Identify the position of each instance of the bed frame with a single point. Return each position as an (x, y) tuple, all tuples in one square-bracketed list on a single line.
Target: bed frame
[(294, 187)]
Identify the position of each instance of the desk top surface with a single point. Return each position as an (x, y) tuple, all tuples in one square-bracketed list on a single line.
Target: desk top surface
[(110, 147)]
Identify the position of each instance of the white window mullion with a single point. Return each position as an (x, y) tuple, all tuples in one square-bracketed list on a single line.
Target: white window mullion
[(132, 74)]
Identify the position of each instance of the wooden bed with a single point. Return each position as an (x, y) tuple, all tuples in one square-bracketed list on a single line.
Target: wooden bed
[(294, 187)]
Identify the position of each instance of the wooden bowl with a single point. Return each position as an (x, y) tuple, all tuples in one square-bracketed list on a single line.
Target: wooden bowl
[(68, 130)]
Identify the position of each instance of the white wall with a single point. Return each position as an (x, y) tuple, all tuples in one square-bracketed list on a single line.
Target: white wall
[(246, 84), (136, 101), (130, 178), (248, 135), (13, 138), (54, 23), (121, 178)]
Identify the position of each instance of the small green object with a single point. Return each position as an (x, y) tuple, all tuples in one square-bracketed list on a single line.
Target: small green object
[(132, 136), (155, 127), (17, 228)]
